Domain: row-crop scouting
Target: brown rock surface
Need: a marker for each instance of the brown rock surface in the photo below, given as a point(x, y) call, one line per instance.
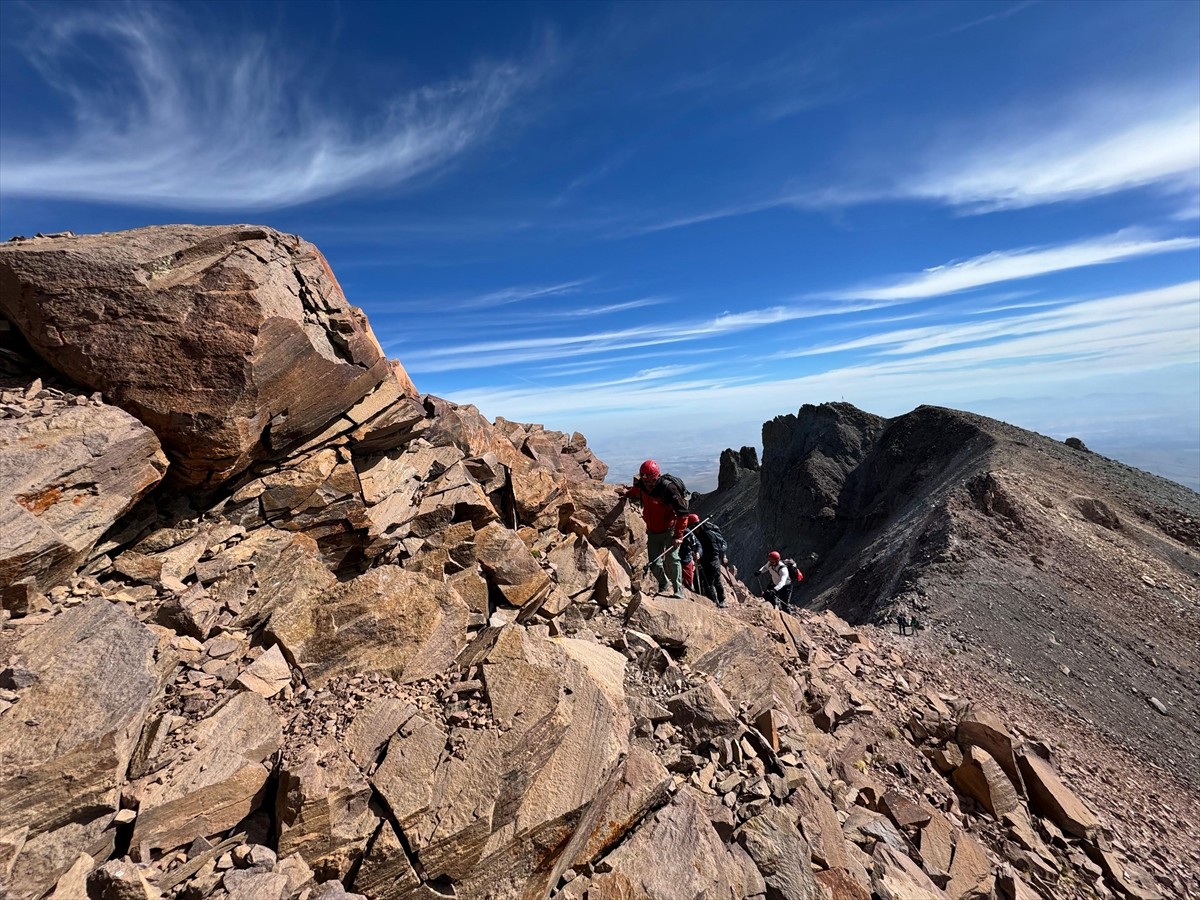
point(323, 810)
point(387, 620)
point(217, 782)
point(69, 737)
point(67, 473)
point(236, 341)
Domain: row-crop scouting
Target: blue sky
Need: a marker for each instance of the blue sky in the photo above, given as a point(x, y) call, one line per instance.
point(661, 225)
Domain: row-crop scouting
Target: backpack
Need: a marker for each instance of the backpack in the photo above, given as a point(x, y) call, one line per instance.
point(719, 544)
point(794, 570)
point(676, 482)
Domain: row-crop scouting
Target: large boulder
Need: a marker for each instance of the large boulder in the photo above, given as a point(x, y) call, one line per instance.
point(231, 342)
point(68, 739)
point(69, 468)
point(387, 620)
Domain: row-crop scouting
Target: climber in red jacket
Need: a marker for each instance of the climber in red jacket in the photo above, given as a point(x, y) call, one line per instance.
point(664, 508)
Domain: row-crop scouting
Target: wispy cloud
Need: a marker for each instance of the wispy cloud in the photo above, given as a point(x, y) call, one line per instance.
point(1045, 155)
point(1011, 265)
point(1128, 311)
point(518, 350)
point(510, 295)
point(178, 118)
point(1127, 333)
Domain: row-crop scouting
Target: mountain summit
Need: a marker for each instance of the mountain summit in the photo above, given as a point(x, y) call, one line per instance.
point(279, 627)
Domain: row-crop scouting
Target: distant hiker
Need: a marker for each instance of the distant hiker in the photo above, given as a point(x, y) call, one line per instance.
point(902, 621)
point(690, 551)
point(712, 542)
point(664, 508)
point(778, 588)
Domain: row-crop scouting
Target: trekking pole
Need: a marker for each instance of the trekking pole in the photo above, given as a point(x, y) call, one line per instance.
point(669, 549)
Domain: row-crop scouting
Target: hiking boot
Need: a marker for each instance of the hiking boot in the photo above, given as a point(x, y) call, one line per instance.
point(663, 588)
point(678, 593)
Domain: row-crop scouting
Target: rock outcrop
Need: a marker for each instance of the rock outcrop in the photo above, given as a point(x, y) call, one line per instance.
point(1023, 552)
point(405, 652)
point(230, 342)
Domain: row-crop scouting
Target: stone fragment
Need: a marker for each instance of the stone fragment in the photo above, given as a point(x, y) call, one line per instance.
point(704, 713)
point(896, 877)
point(982, 778)
point(218, 783)
point(503, 806)
point(1049, 797)
point(260, 886)
point(267, 675)
point(509, 565)
point(387, 620)
point(323, 810)
point(386, 873)
point(970, 873)
point(936, 842)
point(781, 854)
point(675, 853)
point(902, 811)
point(263, 348)
point(120, 879)
point(68, 740)
point(640, 785)
point(979, 727)
point(404, 778)
point(373, 726)
point(72, 884)
point(65, 478)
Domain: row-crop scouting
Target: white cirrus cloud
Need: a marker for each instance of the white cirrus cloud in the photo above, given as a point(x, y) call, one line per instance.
point(1097, 147)
point(1012, 265)
point(173, 117)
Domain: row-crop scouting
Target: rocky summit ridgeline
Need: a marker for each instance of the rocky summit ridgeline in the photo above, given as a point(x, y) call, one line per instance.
point(1075, 574)
point(277, 626)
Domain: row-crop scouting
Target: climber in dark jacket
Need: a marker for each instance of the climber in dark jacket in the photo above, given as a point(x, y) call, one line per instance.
point(664, 509)
point(714, 548)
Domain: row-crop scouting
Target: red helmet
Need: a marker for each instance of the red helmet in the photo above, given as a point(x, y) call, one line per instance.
point(693, 519)
point(649, 467)
point(774, 556)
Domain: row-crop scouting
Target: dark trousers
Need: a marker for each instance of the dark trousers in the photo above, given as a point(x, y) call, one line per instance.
point(710, 581)
point(779, 598)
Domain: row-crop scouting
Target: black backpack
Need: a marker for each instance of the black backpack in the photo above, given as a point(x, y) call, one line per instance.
point(677, 482)
point(713, 533)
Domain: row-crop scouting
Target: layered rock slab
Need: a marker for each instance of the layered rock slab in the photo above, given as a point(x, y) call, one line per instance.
point(235, 341)
point(217, 781)
point(68, 739)
point(387, 620)
point(495, 814)
point(66, 476)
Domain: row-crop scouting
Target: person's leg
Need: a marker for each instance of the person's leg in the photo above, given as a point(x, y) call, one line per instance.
point(673, 567)
point(713, 589)
point(689, 572)
point(656, 543)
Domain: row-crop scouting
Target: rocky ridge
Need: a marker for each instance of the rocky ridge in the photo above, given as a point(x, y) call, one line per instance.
point(379, 645)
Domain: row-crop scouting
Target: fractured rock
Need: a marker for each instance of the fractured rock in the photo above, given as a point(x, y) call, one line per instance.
point(322, 810)
point(1051, 798)
point(68, 740)
point(218, 783)
point(65, 478)
point(387, 620)
point(263, 349)
point(267, 675)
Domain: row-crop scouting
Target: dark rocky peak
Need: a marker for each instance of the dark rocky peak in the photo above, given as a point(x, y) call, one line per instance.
point(734, 463)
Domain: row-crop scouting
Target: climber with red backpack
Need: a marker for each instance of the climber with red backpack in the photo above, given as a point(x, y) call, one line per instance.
point(781, 575)
point(665, 510)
